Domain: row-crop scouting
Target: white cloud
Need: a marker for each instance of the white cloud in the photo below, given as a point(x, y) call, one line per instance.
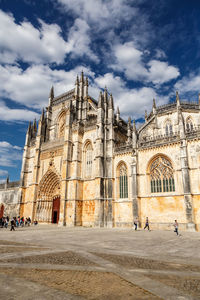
point(9, 154)
point(31, 87)
point(79, 40)
point(130, 60)
point(24, 42)
point(160, 72)
point(189, 83)
point(16, 115)
point(132, 102)
point(27, 43)
point(100, 11)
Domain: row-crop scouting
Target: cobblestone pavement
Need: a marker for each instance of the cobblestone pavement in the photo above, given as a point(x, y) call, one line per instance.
point(49, 262)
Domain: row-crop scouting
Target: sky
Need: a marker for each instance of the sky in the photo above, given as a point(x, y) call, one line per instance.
point(138, 49)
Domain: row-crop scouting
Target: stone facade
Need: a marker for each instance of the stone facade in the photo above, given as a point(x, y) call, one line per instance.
point(85, 166)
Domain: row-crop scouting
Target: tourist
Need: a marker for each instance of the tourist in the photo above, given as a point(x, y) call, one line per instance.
point(136, 223)
point(12, 225)
point(147, 224)
point(176, 227)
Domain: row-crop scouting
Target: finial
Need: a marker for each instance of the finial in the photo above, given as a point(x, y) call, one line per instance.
point(145, 115)
point(86, 81)
point(118, 112)
point(35, 125)
point(154, 103)
point(82, 77)
point(110, 103)
point(177, 98)
point(51, 94)
point(7, 179)
point(77, 80)
point(199, 98)
point(134, 127)
point(100, 102)
point(129, 120)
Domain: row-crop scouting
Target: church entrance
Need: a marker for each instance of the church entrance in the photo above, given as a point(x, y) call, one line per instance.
point(1, 211)
point(56, 210)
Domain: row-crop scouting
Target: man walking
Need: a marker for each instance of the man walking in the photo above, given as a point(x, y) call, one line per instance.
point(176, 227)
point(12, 225)
point(147, 224)
point(136, 223)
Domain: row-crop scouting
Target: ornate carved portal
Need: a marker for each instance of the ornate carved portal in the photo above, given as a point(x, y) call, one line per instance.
point(48, 202)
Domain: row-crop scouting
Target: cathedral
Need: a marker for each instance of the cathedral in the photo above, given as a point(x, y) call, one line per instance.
point(83, 165)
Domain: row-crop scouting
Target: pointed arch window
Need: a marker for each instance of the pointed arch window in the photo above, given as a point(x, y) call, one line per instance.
point(189, 125)
point(123, 181)
point(161, 176)
point(168, 128)
point(88, 160)
point(61, 125)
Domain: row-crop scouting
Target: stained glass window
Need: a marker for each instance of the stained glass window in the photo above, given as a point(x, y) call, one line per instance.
point(123, 181)
point(88, 160)
point(161, 174)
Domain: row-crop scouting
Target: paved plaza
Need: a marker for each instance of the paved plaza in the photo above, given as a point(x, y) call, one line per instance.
point(49, 262)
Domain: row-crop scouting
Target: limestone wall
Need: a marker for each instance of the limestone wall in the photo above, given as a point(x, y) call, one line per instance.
point(10, 198)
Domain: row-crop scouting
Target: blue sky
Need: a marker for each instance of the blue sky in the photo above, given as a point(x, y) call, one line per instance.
point(139, 49)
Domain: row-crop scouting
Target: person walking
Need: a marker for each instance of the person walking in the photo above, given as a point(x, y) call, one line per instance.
point(176, 227)
point(12, 225)
point(147, 224)
point(136, 223)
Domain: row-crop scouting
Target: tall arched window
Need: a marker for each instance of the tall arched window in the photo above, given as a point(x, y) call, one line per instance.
point(123, 181)
point(88, 160)
point(189, 124)
point(168, 128)
point(161, 175)
point(61, 125)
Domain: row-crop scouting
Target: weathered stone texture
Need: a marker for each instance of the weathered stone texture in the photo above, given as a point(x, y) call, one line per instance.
point(104, 171)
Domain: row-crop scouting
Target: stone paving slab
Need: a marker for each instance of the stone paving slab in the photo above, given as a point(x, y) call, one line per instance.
point(156, 264)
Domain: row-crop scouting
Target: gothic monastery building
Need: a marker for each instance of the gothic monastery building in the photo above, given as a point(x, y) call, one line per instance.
point(83, 165)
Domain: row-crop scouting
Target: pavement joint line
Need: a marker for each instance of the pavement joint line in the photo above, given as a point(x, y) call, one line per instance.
point(168, 272)
point(157, 288)
point(53, 267)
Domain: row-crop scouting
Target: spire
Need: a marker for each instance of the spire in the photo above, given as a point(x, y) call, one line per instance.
point(51, 94)
point(117, 114)
point(29, 127)
point(42, 116)
point(7, 179)
point(110, 103)
point(105, 94)
point(177, 99)
point(35, 125)
point(199, 99)
point(86, 81)
point(129, 121)
point(134, 127)
point(100, 100)
point(154, 106)
point(154, 103)
point(77, 81)
point(145, 116)
point(82, 77)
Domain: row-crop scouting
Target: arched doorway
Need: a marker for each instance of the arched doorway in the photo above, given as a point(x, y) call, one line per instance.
point(1, 211)
point(56, 210)
point(48, 198)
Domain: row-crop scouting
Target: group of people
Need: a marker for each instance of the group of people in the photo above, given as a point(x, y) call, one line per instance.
point(147, 225)
point(14, 222)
